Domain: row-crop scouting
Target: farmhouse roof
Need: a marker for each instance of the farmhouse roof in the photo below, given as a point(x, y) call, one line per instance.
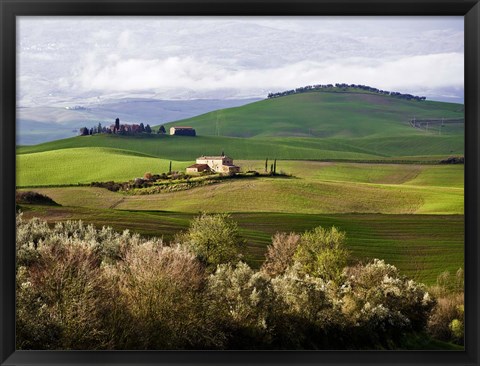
point(213, 157)
point(199, 166)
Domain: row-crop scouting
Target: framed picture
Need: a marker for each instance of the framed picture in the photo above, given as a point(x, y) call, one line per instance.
point(244, 182)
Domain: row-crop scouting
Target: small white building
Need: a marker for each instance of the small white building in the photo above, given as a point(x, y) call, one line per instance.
point(217, 164)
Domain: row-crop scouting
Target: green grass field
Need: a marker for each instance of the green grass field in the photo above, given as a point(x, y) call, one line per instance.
point(315, 187)
point(86, 165)
point(183, 148)
point(323, 114)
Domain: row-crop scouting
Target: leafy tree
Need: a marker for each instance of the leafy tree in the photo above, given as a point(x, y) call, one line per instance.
point(142, 127)
point(170, 168)
point(322, 253)
point(266, 165)
point(117, 124)
point(84, 131)
point(213, 238)
point(148, 129)
point(162, 129)
point(275, 166)
point(279, 255)
point(99, 128)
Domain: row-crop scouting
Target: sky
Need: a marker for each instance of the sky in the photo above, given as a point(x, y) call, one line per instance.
point(85, 60)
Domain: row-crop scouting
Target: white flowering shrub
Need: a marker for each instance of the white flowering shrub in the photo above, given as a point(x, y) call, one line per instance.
point(304, 296)
point(307, 312)
point(29, 234)
point(378, 300)
point(244, 299)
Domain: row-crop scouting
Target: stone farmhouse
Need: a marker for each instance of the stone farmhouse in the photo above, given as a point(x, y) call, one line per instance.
point(216, 164)
point(182, 131)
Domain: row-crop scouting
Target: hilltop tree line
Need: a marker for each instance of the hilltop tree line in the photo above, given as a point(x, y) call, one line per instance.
point(79, 287)
point(310, 88)
point(120, 129)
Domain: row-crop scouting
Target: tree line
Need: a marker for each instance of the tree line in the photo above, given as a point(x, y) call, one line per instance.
point(344, 86)
point(120, 129)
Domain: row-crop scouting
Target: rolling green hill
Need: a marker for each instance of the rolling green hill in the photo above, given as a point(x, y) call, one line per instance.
point(86, 165)
point(325, 114)
point(183, 148)
point(310, 126)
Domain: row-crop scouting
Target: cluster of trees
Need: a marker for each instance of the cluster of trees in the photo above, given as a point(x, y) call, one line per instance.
point(309, 88)
point(84, 288)
point(120, 129)
point(148, 180)
point(453, 160)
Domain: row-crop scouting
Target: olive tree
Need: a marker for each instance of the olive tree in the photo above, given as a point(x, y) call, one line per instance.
point(322, 253)
point(213, 238)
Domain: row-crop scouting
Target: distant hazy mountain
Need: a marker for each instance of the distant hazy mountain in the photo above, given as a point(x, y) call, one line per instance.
point(42, 124)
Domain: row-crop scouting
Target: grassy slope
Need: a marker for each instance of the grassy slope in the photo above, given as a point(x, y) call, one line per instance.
point(183, 148)
point(316, 188)
point(322, 114)
point(314, 126)
point(84, 165)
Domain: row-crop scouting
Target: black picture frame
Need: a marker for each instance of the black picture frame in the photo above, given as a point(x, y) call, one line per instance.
point(9, 9)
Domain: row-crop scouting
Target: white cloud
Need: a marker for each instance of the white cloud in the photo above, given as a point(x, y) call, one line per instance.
point(195, 56)
point(403, 74)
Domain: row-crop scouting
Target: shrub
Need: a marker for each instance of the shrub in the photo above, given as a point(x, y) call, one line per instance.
point(59, 298)
point(382, 303)
point(447, 284)
point(321, 253)
point(213, 238)
point(307, 314)
point(30, 197)
point(147, 176)
point(447, 319)
point(29, 235)
point(159, 303)
point(279, 255)
point(244, 299)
